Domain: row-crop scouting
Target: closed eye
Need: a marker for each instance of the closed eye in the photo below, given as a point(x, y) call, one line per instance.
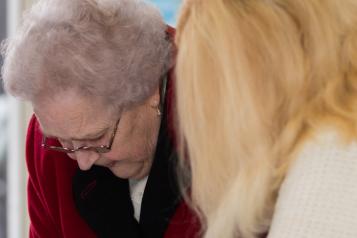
point(97, 138)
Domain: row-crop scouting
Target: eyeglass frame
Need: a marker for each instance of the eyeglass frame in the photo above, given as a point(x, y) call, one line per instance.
point(98, 149)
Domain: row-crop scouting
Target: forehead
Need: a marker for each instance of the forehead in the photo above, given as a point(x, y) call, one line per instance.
point(68, 115)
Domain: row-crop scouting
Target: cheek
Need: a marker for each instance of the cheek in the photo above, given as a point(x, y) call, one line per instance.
point(132, 153)
point(123, 149)
point(134, 144)
point(72, 156)
point(114, 155)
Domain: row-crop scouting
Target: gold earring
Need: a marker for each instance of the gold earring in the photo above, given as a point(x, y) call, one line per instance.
point(158, 111)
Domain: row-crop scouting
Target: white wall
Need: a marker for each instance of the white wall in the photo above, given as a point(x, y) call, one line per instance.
point(19, 114)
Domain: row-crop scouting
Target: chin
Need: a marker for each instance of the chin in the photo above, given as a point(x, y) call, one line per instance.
point(130, 172)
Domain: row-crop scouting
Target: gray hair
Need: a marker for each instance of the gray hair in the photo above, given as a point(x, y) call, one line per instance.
point(113, 49)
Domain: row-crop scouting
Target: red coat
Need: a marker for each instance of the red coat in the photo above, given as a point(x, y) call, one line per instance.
point(51, 207)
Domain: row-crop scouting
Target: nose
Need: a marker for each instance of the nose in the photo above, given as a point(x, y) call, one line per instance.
point(86, 159)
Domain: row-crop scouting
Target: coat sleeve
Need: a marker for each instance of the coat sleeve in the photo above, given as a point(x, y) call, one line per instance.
point(50, 201)
point(319, 195)
point(184, 223)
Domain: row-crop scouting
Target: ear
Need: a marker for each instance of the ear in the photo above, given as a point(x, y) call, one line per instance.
point(154, 100)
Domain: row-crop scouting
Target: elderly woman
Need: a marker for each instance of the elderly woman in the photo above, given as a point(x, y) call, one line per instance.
point(99, 77)
point(267, 102)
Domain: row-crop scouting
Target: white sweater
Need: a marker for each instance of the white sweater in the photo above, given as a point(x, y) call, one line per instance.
point(319, 195)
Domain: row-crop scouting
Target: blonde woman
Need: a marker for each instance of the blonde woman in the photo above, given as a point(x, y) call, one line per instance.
point(267, 103)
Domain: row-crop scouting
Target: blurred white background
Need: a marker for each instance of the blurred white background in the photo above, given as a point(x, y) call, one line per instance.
point(14, 116)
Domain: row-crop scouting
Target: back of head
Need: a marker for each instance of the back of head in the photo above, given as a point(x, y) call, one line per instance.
point(115, 50)
point(253, 77)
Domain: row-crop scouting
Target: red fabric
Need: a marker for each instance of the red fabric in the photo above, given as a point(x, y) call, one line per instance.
point(170, 91)
point(183, 224)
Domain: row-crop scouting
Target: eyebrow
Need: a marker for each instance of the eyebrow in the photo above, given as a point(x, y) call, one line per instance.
point(89, 136)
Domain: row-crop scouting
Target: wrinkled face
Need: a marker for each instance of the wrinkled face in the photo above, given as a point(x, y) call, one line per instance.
point(77, 121)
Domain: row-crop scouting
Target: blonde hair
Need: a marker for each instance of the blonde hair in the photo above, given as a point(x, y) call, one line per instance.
point(254, 78)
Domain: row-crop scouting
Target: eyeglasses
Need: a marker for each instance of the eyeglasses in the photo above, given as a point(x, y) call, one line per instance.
point(98, 149)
